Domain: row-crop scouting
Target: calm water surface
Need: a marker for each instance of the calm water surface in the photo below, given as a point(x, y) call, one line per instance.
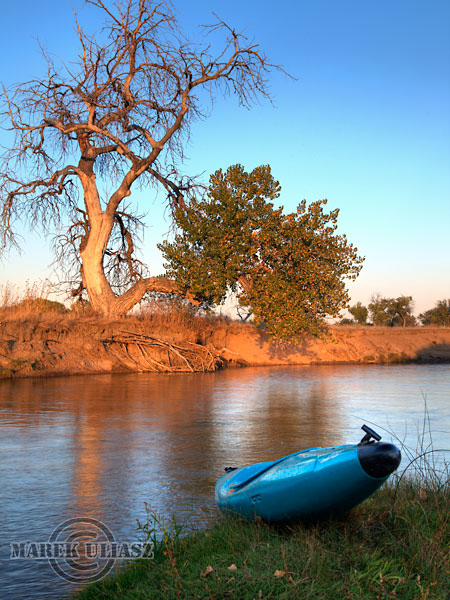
point(101, 446)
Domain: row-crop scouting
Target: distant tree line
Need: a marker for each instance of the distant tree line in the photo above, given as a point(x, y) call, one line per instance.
point(397, 312)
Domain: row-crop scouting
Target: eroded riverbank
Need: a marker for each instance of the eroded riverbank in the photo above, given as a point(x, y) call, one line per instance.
point(79, 346)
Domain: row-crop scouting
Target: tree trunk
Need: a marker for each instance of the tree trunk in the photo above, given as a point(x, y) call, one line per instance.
point(102, 298)
point(93, 248)
point(100, 294)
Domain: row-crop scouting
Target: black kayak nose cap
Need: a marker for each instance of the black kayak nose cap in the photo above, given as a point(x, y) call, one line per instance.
point(379, 459)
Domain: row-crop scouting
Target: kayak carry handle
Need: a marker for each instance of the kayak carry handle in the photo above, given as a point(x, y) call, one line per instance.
point(370, 433)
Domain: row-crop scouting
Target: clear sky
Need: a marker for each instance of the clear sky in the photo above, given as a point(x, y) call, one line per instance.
point(365, 124)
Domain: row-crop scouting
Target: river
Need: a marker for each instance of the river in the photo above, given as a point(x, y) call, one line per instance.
point(101, 446)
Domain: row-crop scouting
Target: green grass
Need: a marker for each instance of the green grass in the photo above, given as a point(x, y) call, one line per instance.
point(394, 545)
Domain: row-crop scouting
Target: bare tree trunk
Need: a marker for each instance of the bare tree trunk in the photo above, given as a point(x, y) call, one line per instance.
point(101, 296)
point(97, 286)
point(93, 249)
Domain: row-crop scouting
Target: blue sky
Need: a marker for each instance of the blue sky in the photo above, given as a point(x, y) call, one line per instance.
point(365, 124)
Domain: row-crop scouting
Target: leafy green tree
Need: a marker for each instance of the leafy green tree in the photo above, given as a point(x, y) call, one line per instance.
point(391, 312)
point(346, 321)
point(288, 268)
point(403, 307)
point(378, 309)
point(439, 315)
point(359, 313)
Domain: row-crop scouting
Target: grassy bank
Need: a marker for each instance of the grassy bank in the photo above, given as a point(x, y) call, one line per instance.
point(394, 545)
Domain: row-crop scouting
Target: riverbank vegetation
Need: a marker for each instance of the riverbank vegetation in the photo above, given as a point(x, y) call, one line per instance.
point(397, 312)
point(164, 310)
point(160, 313)
point(395, 545)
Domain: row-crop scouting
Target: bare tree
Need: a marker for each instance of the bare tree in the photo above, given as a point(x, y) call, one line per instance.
point(116, 119)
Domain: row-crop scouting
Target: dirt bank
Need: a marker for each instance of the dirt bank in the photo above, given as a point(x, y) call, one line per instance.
point(345, 345)
point(57, 347)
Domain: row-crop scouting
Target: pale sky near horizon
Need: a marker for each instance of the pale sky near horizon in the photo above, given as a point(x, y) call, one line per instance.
point(365, 124)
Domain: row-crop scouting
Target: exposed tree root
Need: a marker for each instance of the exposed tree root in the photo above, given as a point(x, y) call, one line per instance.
point(150, 353)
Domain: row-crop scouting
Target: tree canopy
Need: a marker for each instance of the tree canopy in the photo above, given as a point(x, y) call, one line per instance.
point(359, 313)
point(391, 312)
point(89, 133)
point(439, 315)
point(288, 268)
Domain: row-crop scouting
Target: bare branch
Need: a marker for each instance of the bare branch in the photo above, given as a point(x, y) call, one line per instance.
point(120, 114)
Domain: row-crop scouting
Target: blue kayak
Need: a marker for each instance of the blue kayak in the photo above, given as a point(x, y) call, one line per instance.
point(311, 483)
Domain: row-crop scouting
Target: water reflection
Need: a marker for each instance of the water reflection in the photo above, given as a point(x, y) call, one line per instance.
point(101, 446)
